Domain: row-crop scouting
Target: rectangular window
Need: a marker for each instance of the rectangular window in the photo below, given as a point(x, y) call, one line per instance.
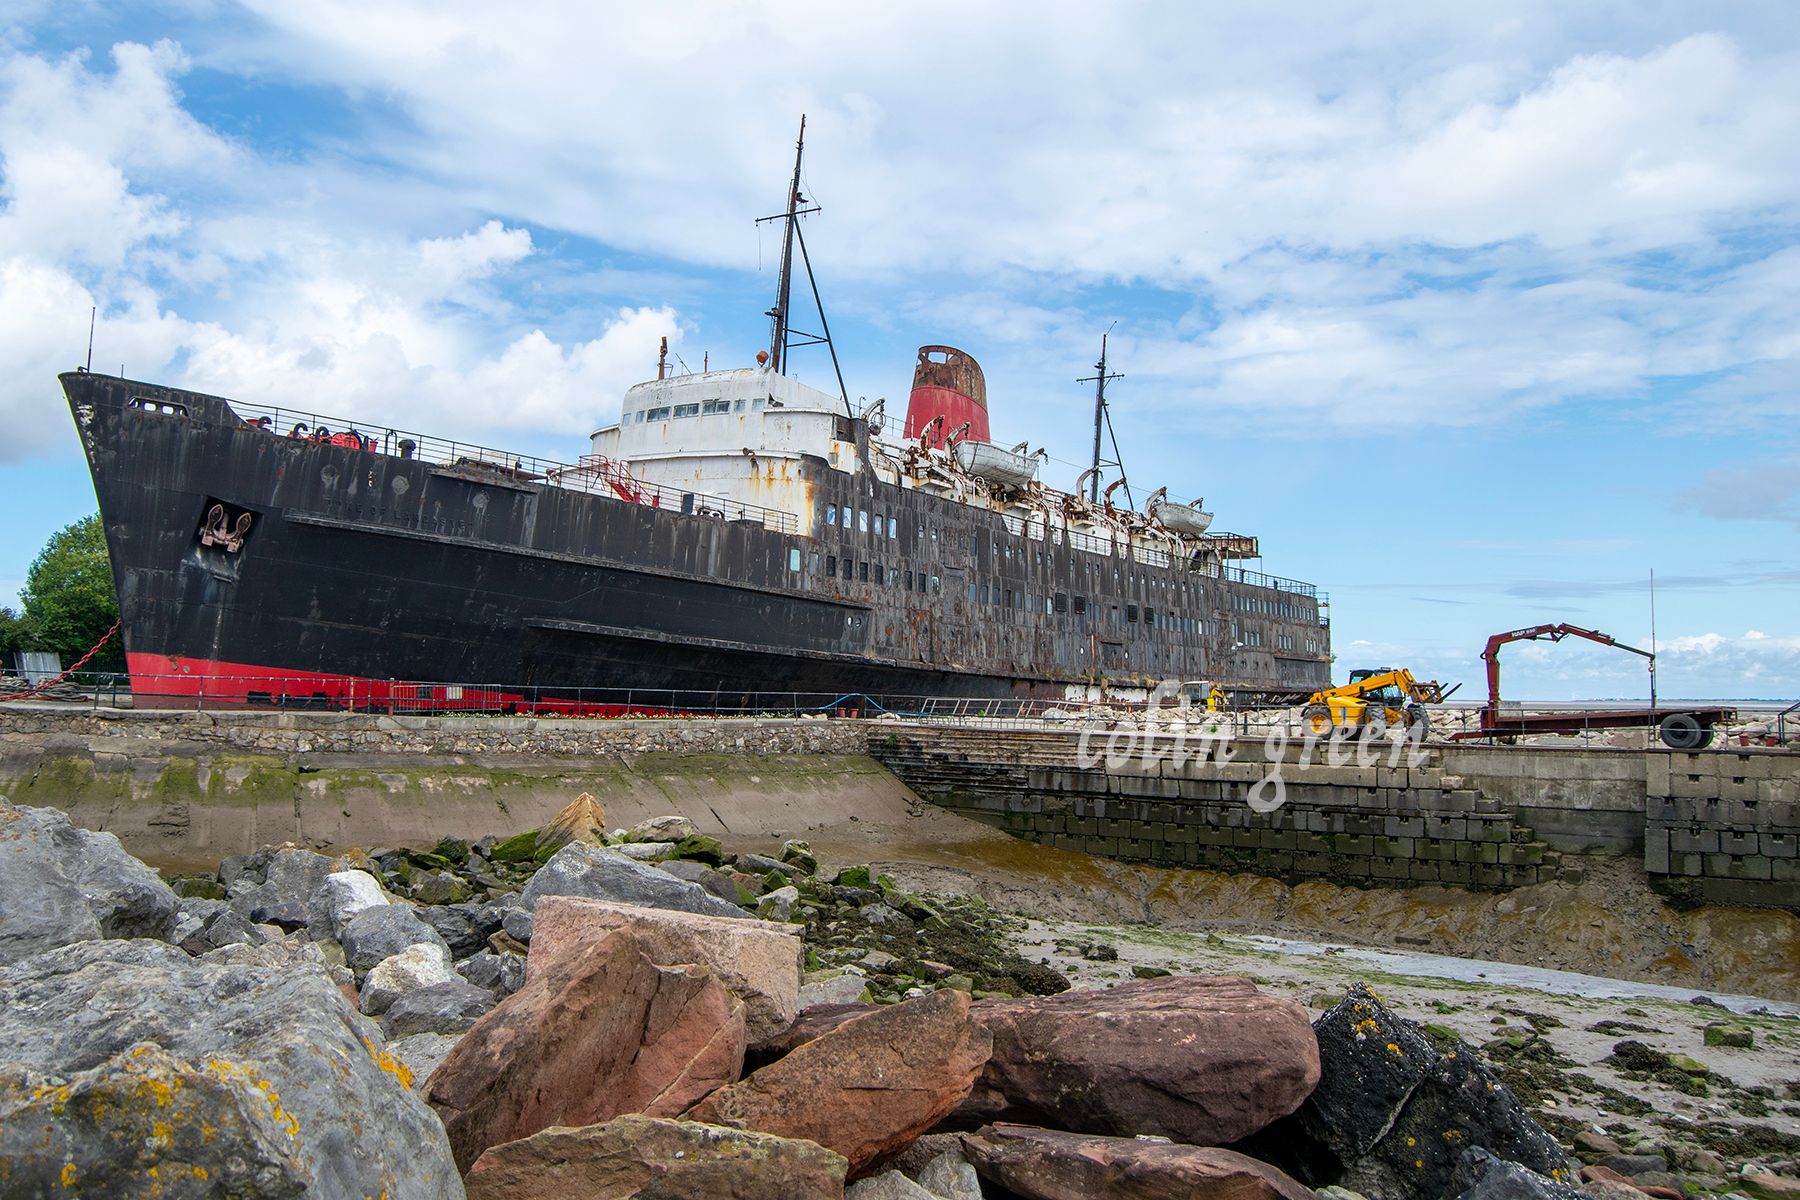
point(1009, 598)
point(937, 585)
point(793, 558)
point(1062, 602)
point(657, 414)
point(1080, 605)
point(737, 406)
point(862, 520)
point(893, 528)
point(812, 563)
point(831, 565)
point(849, 569)
point(1049, 605)
point(1131, 613)
point(1150, 617)
point(984, 593)
point(893, 576)
point(863, 571)
point(687, 410)
point(909, 586)
point(831, 514)
point(756, 404)
point(713, 407)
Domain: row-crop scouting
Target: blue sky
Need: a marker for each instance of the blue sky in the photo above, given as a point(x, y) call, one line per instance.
point(1475, 319)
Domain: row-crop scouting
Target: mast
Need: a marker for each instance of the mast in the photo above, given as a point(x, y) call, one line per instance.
point(1103, 423)
point(782, 336)
point(778, 331)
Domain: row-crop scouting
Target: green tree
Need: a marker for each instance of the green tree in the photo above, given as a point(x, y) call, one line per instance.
point(69, 597)
point(12, 634)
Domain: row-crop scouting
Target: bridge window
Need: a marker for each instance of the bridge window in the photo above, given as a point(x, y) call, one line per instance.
point(893, 528)
point(1080, 605)
point(793, 558)
point(862, 520)
point(863, 569)
point(831, 564)
point(1131, 613)
point(1062, 602)
point(711, 407)
point(657, 414)
point(687, 410)
point(812, 563)
point(937, 585)
point(737, 406)
point(831, 514)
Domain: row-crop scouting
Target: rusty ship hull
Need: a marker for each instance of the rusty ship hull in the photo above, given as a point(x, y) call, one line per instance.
point(257, 567)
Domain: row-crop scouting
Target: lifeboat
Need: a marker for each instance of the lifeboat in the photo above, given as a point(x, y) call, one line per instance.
point(984, 460)
point(1188, 520)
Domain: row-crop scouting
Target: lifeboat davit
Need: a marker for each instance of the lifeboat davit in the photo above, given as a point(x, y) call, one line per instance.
point(947, 383)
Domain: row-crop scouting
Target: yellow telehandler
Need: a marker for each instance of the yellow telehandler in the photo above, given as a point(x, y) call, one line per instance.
point(1373, 700)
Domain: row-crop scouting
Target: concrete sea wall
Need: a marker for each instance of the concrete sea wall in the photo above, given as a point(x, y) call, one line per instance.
point(1717, 826)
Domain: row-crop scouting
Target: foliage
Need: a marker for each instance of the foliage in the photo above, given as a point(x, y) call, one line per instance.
point(12, 633)
point(69, 598)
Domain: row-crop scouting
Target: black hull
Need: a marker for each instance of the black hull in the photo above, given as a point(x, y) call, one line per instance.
point(373, 567)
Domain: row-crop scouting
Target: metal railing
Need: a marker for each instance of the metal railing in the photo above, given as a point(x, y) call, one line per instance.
point(588, 475)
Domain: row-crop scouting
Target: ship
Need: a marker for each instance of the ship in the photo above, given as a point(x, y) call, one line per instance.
point(734, 538)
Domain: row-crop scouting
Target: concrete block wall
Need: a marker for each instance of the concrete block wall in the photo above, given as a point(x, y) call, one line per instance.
point(1374, 825)
point(1718, 826)
point(1724, 825)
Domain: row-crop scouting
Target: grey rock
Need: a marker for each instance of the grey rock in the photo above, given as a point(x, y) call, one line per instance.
point(1632, 1165)
point(834, 987)
point(64, 884)
point(881, 914)
point(646, 851)
point(343, 894)
point(517, 924)
point(579, 869)
point(448, 1007)
point(779, 904)
point(798, 856)
point(950, 1177)
point(1483, 1175)
point(913, 1160)
point(762, 864)
point(115, 1128)
point(287, 882)
point(378, 933)
point(439, 887)
point(500, 974)
point(714, 881)
point(424, 965)
point(889, 1185)
point(661, 829)
point(270, 1013)
point(421, 1053)
point(455, 924)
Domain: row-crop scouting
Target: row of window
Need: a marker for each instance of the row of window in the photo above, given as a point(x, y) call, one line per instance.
point(1269, 607)
point(704, 408)
point(860, 518)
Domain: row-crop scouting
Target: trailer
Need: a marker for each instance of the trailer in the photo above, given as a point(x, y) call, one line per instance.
point(1680, 728)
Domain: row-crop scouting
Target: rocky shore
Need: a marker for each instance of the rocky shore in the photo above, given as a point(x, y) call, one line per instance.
point(584, 1011)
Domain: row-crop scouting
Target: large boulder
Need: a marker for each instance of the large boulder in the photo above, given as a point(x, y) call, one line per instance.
point(641, 1156)
point(1204, 1060)
point(380, 933)
point(1392, 1116)
point(868, 1087)
point(597, 873)
point(268, 1016)
point(608, 1033)
point(143, 1120)
point(1045, 1164)
point(283, 886)
point(64, 884)
point(758, 961)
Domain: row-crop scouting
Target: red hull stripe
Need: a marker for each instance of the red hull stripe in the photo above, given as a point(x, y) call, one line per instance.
point(173, 679)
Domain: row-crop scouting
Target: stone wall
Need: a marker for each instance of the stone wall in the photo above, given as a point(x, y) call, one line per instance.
point(345, 733)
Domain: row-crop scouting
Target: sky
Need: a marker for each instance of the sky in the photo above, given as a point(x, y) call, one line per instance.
point(1476, 315)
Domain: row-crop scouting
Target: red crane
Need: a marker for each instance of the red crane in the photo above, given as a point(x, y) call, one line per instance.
point(1680, 728)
